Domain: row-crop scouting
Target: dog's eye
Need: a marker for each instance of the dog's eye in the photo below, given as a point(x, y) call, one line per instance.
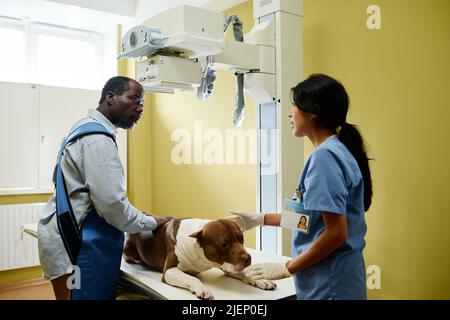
point(225, 244)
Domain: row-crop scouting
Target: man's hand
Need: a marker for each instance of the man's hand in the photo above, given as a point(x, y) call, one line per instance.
point(247, 220)
point(160, 220)
point(268, 271)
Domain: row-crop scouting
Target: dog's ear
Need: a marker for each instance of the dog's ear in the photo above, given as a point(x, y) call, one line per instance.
point(198, 235)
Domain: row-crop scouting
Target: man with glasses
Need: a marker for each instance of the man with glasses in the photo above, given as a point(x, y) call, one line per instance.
point(80, 234)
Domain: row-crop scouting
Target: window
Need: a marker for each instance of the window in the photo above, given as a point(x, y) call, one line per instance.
point(51, 55)
point(67, 58)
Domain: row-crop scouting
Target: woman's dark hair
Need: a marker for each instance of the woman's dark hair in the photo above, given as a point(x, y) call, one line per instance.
point(118, 85)
point(327, 98)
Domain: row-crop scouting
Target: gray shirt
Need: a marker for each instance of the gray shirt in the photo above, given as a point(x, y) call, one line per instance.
point(94, 177)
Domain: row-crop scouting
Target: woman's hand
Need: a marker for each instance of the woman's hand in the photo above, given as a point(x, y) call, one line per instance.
point(247, 220)
point(268, 271)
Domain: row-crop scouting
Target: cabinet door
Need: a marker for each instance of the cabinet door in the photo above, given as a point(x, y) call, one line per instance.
point(19, 140)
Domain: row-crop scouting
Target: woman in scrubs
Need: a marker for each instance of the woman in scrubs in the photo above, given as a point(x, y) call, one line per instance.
point(334, 192)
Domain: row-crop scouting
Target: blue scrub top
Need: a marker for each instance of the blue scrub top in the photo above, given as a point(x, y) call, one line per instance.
point(331, 181)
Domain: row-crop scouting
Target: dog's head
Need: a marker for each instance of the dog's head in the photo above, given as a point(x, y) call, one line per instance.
point(222, 242)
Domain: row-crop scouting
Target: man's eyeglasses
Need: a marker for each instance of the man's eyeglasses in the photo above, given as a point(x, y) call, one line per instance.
point(137, 100)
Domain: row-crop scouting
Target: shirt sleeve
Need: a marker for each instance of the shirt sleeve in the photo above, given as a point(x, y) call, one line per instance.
point(325, 185)
point(105, 180)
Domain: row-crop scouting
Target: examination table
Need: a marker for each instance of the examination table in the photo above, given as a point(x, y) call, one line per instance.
point(142, 279)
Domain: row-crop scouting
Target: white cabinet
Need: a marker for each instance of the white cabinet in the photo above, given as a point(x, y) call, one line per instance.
point(19, 142)
point(33, 121)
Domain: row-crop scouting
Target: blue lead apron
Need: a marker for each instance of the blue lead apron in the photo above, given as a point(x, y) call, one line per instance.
point(96, 248)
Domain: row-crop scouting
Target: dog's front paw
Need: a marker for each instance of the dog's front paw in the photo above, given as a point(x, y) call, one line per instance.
point(264, 284)
point(202, 293)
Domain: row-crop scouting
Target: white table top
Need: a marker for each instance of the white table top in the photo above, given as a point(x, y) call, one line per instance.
point(223, 287)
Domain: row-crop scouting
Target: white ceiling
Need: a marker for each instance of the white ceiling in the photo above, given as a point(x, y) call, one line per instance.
point(147, 8)
point(62, 15)
point(98, 15)
point(121, 7)
point(141, 8)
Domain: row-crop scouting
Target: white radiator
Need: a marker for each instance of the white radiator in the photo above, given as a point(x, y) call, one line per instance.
point(18, 251)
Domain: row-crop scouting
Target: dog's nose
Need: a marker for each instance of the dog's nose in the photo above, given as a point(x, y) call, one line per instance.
point(248, 260)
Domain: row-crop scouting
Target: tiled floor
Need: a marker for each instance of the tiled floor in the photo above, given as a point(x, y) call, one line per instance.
point(42, 290)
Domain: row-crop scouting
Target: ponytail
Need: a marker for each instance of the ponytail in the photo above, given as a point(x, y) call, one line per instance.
point(350, 136)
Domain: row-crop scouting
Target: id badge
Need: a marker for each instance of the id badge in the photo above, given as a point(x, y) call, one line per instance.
point(294, 216)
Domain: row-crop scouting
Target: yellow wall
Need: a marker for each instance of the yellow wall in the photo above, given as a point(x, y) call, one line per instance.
point(398, 81)
point(10, 276)
point(205, 191)
point(396, 78)
point(139, 161)
point(25, 198)
point(139, 145)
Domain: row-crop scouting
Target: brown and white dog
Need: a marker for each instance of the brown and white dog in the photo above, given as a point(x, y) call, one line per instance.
point(182, 248)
